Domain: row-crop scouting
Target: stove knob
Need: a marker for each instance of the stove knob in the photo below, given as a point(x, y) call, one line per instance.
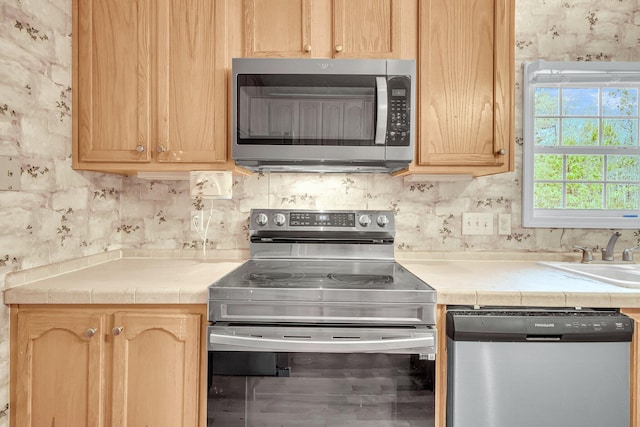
point(262, 219)
point(280, 219)
point(364, 220)
point(382, 220)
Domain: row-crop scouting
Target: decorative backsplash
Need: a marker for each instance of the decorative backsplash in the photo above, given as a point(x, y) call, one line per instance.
point(61, 214)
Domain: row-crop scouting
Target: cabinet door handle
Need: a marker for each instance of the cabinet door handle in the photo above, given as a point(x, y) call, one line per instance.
point(338, 48)
point(117, 330)
point(501, 152)
point(161, 149)
point(307, 48)
point(90, 332)
point(140, 149)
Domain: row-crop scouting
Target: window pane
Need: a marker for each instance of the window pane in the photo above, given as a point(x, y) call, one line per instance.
point(620, 132)
point(583, 132)
point(584, 196)
point(546, 132)
point(622, 196)
point(580, 102)
point(623, 168)
point(547, 196)
point(585, 168)
point(546, 101)
point(547, 167)
point(619, 102)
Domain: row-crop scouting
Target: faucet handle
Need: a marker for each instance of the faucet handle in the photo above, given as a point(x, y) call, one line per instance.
point(627, 254)
point(587, 255)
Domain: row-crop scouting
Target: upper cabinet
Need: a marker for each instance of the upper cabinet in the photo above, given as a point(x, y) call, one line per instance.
point(291, 18)
point(466, 87)
point(322, 28)
point(151, 90)
point(149, 85)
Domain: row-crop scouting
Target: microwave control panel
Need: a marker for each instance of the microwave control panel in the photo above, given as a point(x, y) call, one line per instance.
point(399, 119)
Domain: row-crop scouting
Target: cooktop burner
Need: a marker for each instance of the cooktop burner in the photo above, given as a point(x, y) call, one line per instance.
point(267, 279)
point(323, 280)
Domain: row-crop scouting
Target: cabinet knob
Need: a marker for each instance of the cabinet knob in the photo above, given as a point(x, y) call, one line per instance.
point(307, 48)
point(140, 149)
point(338, 48)
point(161, 149)
point(90, 332)
point(501, 152)
point(117, 330)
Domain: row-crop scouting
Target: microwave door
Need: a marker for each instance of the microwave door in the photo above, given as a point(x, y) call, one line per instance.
point(382, 110)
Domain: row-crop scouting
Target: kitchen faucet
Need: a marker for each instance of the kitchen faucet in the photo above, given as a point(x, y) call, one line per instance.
point(607, 253)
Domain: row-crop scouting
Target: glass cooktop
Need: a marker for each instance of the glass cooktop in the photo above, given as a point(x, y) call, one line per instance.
point(321, 279)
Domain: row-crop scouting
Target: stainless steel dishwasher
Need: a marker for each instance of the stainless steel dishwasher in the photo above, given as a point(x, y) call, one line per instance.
point(538, 367)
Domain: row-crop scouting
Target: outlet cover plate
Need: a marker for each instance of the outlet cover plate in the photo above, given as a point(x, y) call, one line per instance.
point(504, 224)
point(9, 174)
point(197, 221)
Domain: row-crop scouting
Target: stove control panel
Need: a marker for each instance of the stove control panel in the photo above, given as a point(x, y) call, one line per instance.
point(277, 219)
point(322, 219)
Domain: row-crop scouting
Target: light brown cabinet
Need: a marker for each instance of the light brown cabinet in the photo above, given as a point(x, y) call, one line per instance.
point(93, 366)
point(149, 85)
point(151, 89)
point(634, 313)
point(466, 87)
point(322, 28)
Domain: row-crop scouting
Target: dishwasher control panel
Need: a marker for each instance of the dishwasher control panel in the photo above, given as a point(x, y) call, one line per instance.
point(567, 325)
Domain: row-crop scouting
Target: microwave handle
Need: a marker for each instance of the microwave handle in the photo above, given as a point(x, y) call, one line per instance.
point(382, 110)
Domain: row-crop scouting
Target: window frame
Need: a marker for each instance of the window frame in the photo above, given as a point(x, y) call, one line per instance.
point(565, 75)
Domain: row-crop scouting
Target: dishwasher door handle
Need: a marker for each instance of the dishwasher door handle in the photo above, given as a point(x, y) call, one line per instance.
point(544, 338)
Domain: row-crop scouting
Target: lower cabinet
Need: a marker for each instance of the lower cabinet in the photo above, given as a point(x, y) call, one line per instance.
point(107, 366)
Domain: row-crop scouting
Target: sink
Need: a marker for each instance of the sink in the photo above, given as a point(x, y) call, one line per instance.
point(625, 275)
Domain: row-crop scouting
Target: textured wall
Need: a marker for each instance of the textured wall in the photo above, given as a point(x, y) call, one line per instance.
point(61, 214)
point(58, 213)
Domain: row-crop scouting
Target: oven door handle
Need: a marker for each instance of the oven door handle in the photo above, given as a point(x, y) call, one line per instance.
point(421, 344)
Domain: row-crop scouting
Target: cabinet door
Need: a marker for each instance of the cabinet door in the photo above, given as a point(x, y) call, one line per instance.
point(191, 92)
point(278, 28)
point(60, 369)
point(466, 83)
point(155, 369)
point(366, 28)
point(112, 64)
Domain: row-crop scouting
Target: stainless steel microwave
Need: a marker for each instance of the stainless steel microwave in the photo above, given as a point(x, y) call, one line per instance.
point(323, 115)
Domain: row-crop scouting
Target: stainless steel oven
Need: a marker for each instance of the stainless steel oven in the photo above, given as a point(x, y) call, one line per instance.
point(321, 327)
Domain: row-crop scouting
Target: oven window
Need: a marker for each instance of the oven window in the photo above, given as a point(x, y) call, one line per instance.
point(319, 389)
point(306, 109)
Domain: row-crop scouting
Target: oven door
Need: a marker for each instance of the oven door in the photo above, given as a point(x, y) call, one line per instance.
point(271, 375)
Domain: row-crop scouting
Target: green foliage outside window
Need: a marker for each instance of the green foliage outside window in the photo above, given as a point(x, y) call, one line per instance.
point(589, 120)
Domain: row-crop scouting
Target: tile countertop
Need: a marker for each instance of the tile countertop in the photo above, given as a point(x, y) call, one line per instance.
point(518, 283)
point(126, 281)
point(185, 281)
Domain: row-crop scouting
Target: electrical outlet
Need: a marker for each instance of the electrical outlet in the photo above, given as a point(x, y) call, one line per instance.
point(197, 221)
point(477, 224)
point(504, 224)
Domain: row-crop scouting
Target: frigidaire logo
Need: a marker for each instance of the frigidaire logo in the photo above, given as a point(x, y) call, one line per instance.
point(544, 325)
point(324, 65)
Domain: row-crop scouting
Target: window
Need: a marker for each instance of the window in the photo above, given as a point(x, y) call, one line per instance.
point(581, 163)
